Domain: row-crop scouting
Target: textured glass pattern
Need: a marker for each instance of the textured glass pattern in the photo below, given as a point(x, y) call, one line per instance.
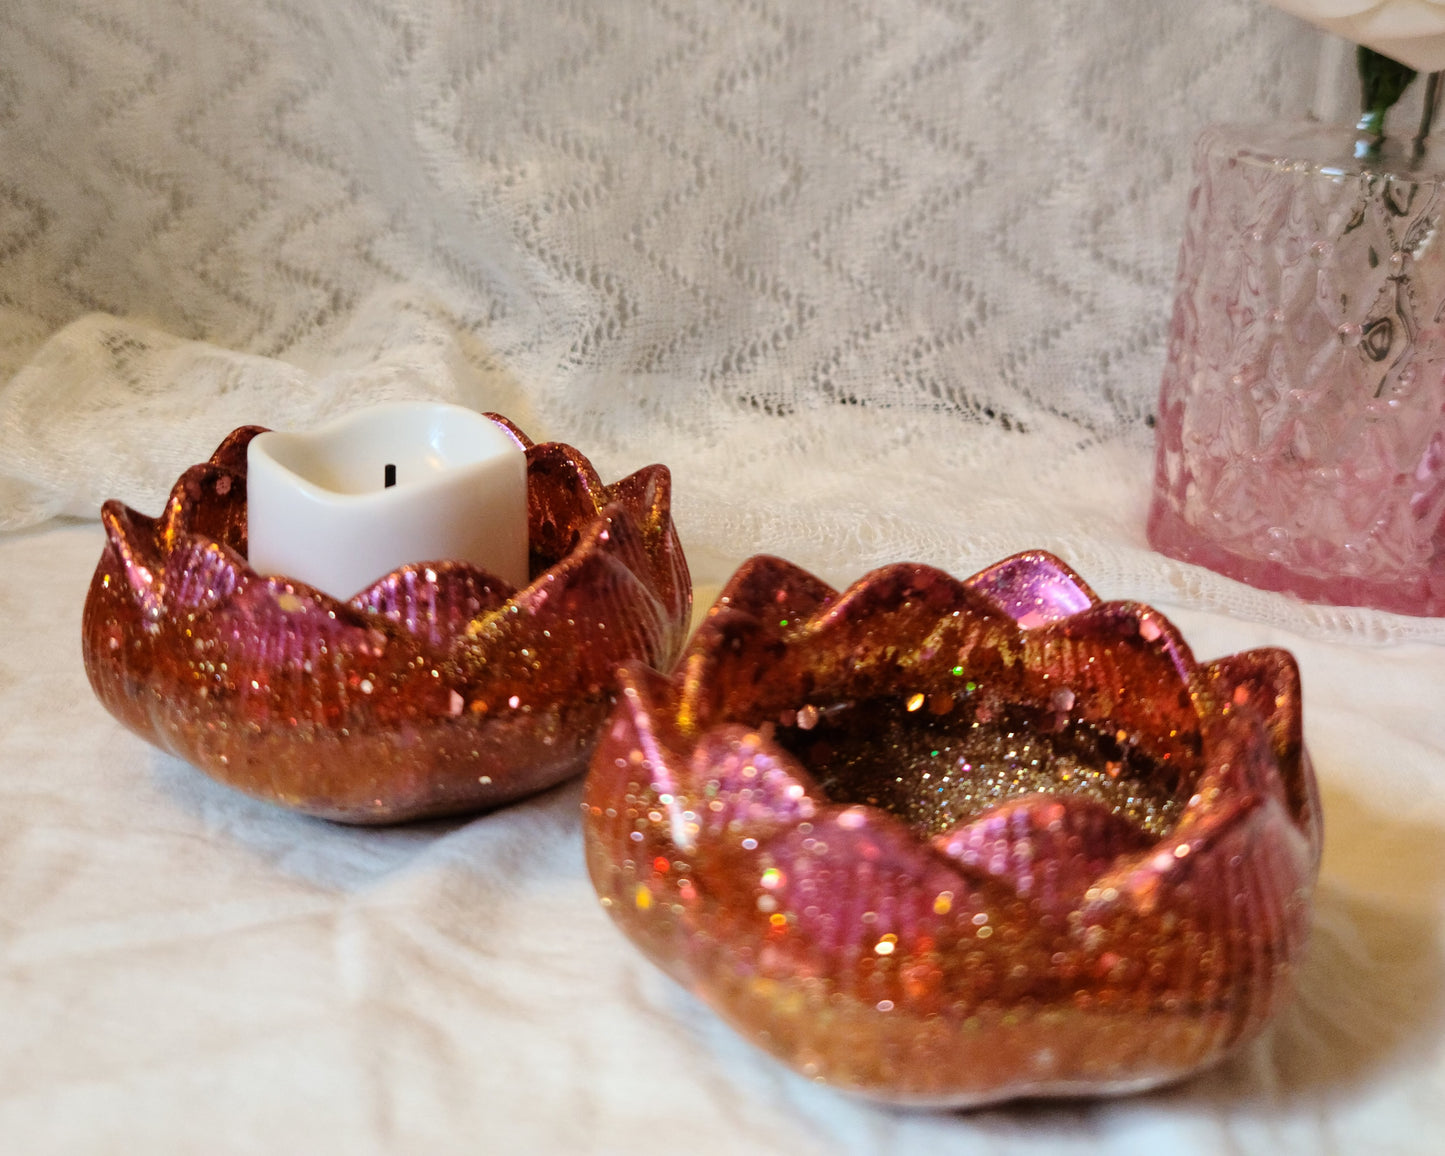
point(1301, 441)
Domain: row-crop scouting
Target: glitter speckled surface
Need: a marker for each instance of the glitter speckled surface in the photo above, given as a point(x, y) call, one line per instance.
point(437, 689)
point(943, 761)
point(951, 842)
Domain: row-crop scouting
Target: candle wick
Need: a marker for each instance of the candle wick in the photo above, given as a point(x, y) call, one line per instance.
point(390, 475)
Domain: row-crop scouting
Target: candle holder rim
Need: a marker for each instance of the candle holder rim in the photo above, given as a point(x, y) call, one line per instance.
point(1326, 150)
point(884, 589)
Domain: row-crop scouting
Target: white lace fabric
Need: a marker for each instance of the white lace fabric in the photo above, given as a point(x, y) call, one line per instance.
point(878, 281)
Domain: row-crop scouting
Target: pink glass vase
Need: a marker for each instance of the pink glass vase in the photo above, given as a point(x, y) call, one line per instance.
point(1301, 437)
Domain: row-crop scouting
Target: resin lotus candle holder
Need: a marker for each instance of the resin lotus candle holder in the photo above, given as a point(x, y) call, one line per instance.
point(943, 842)
point(436, 690)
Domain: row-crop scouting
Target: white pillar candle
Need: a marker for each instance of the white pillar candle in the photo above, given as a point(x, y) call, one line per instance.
point(320, 510)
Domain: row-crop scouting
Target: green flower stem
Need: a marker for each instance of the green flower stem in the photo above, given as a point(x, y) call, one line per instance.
point(1428, 113)
point(1382, 82)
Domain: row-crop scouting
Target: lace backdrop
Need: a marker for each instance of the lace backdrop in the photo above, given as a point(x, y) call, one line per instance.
point(878, 281)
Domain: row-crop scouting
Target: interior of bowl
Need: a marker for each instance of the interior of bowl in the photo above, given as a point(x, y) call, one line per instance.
point(938, 700)
point(941, 758)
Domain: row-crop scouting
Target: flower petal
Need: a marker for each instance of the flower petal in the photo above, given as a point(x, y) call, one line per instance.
point(858, 889)
point(131, 539)
point(1267, 681)
point(1049, 847)
point(1034, 588)
point(1401, 20)
point(433, 601)
point(564, 494)
point(1327, 9)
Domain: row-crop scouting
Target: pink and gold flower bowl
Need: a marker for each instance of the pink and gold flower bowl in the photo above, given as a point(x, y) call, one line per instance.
point(943, 842)
point(438, 689)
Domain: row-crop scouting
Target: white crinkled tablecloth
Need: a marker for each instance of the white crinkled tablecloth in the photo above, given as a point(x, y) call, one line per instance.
point(879, 281)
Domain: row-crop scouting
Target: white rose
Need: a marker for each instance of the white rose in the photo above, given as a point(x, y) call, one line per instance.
point(1410, 31)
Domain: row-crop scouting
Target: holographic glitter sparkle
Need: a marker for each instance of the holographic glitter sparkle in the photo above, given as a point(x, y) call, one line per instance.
point(439, 689)
point(935, 772)
point(945, 842)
